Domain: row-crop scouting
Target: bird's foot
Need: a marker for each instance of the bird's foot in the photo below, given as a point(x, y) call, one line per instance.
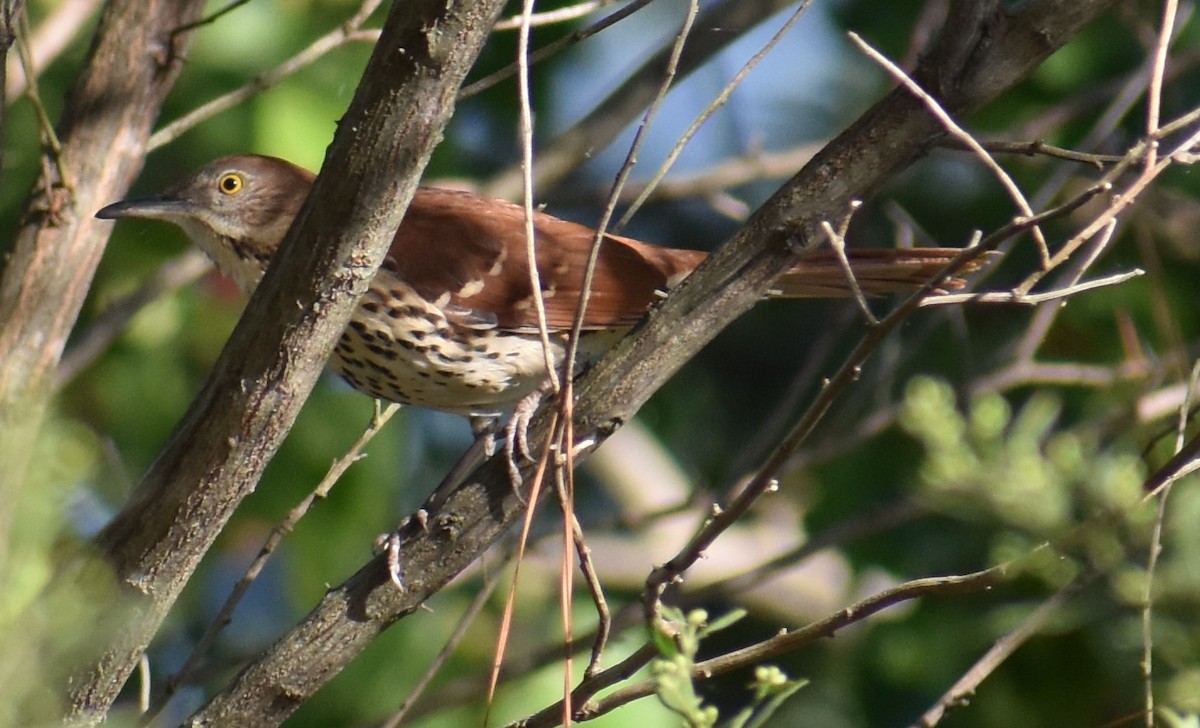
point(389, 544)
point(516, 437)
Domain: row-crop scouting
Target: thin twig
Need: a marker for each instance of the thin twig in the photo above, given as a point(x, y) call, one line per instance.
point(348, 32)
point(460, 631)
point(550, 17)
point(721, 99)
point(53, 35)
point(1038, 148)
point(713, 181)
point(212, 18)
point(101, 332)
point(525, 104)
point(550, 49)
point(1119, 100)
point(1155, 549)
point(999, 652)
point(281, 530)
point(45, 126)
point(566, 579)
point(1031, 299)
point(1154, 92)
point(592, 579)
point(505, 628)
point(837, 241)
point(1014, 192)
point(1119, 203)
point(619, 184)
point(1043, 320)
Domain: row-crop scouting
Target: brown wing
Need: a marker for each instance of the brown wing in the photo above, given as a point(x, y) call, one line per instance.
point(469, 252)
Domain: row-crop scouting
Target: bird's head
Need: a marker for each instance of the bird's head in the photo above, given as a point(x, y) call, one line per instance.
point(236, 209)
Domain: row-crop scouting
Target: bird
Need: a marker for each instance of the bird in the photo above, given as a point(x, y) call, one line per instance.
point(449, 321)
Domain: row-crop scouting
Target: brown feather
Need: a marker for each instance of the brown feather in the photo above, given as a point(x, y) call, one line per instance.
point(481, 261)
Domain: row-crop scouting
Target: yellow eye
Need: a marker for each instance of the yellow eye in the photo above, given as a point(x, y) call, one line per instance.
point(230, 183)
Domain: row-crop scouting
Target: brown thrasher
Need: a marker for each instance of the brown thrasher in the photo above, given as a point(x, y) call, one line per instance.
point(449, 320)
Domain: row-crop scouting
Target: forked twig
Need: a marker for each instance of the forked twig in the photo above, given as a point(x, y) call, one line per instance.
point(1119, 203)
point(1032, 299)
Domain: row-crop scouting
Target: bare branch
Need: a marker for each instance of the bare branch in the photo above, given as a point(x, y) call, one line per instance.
point(281, 530)
point(961, 134)
point(626, 103)
point(783, 643)
point(348, 33)
point(1000, 651)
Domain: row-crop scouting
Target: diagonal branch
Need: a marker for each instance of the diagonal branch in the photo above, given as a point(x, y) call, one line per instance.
point(218, 452)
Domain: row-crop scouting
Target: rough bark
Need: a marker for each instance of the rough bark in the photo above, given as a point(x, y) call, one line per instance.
point(218, 452)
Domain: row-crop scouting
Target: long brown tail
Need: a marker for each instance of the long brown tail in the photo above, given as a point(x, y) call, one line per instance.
point(877, 270)
point(820, 274)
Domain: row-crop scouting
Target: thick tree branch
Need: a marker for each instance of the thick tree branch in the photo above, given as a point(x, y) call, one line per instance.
point(218, 452)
